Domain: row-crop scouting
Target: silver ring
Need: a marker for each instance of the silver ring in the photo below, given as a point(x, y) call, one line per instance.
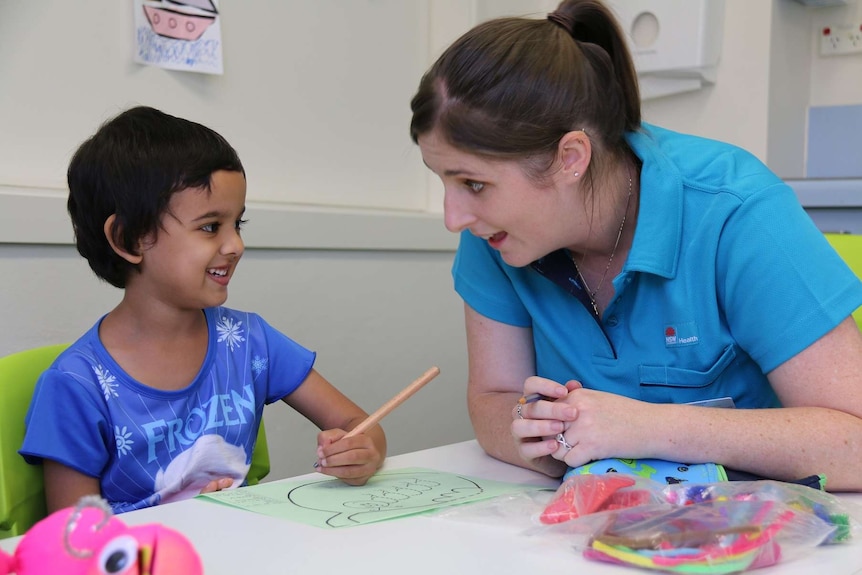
point(561, 439)
point(520, 415)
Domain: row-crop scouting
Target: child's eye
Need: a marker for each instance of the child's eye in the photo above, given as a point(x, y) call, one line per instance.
point(210, 228)
point(240, 224)
point(474, 186)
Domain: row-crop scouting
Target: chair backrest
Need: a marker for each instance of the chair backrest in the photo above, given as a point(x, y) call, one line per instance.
point(849, 247)
point(259, 458)
point(22, 491)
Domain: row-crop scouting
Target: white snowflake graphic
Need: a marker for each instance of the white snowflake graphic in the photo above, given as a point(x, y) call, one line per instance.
point(230, 332)
point(124, 441)
point(107, 382)
point(259, 365)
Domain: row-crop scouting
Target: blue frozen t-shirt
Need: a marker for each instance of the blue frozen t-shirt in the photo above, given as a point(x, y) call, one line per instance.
point(149, 446)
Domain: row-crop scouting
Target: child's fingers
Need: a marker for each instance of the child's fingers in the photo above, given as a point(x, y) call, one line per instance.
point(210, 487)
point(352, 474)
point(217, 485)
point(358, 455)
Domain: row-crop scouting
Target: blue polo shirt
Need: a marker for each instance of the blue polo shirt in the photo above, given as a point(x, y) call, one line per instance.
point(727, 278)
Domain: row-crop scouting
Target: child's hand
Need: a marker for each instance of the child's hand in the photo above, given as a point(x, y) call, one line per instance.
point(352, 459)
point(217, 485)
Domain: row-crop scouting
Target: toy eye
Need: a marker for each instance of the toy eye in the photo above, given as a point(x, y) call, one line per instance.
point(119, 555)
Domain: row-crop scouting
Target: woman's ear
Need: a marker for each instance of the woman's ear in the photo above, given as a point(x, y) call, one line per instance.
point(575, 153)
point(112, 232)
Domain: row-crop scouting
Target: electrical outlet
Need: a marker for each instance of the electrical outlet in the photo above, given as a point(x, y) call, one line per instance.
point(841, 39)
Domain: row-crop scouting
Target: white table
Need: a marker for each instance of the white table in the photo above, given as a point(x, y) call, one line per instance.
point(231, 541)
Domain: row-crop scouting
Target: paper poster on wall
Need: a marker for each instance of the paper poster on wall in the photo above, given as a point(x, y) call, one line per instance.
point(179, 35)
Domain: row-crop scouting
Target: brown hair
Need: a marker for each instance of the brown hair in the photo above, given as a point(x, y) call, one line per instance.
point(512, 87)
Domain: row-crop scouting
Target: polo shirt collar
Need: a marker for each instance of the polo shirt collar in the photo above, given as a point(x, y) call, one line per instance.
point(658, 235)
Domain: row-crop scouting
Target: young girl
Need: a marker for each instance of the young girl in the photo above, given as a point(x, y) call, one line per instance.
point(162, 398)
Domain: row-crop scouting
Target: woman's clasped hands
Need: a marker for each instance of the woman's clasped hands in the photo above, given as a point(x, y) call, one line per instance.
point(577, 425)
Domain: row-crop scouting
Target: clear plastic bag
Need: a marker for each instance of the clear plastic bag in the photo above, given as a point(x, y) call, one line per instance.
point(514, 510)
point(844, 516)
point(712, 537)
point(717, 528)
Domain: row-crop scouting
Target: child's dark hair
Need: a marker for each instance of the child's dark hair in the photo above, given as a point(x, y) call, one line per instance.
point(512, 87)
point(131, 167)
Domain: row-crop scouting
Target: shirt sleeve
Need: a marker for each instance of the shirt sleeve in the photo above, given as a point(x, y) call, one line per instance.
point(783, 286)
point(289, 362)
point(66, 423)
point(485, 282)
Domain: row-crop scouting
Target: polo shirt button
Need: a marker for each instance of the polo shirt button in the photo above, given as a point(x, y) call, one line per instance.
point(613, 321)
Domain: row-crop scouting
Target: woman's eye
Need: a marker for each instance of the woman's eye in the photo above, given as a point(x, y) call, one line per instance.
point(475, 187)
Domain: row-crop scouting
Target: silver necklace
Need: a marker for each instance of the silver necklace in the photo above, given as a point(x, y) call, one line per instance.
point(593, 293)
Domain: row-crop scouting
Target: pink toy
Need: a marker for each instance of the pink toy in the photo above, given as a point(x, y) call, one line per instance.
point(88, 540)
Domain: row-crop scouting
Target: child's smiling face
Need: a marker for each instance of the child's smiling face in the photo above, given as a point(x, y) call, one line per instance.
point(195, 252)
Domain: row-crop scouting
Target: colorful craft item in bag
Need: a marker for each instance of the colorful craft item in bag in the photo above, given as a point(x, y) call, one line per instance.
point(797, 497)
point(89, 540)
point(712, 538)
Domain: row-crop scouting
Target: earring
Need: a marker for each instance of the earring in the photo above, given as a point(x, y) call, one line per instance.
point(576, 174)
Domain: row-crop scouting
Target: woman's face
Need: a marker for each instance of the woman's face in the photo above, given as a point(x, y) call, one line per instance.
point(497, 201)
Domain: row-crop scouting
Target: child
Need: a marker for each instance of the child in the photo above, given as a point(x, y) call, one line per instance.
point(162, 398)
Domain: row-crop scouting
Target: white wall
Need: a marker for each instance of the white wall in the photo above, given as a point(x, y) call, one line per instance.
point(314, 94)
point(835, 80)
point(735, 108)
point(770, 73)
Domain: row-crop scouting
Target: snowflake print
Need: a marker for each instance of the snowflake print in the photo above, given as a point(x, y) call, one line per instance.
point(230, 332)
point(259, 365)
point(107, 382)
point(124, 440)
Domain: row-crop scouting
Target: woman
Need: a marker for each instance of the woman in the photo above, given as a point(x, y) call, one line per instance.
point(645, 270)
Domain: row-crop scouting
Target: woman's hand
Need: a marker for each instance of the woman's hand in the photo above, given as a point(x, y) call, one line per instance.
point(352, 459)
point(536, 425)
point(604, 425)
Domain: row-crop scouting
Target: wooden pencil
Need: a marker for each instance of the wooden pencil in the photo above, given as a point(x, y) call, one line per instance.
point(399, 398)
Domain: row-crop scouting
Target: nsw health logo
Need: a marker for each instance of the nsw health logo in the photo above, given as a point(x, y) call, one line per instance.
point(680, 334)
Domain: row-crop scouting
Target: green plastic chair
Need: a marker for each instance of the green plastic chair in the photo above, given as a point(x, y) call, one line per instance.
point(22, 491)
point(849, 247)
point(259, 458)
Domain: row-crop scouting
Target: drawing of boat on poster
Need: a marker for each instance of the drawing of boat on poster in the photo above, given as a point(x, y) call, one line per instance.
point(183, 35)
point(181, 20)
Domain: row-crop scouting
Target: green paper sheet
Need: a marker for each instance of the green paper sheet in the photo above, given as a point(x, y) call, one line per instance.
point(330, 503)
